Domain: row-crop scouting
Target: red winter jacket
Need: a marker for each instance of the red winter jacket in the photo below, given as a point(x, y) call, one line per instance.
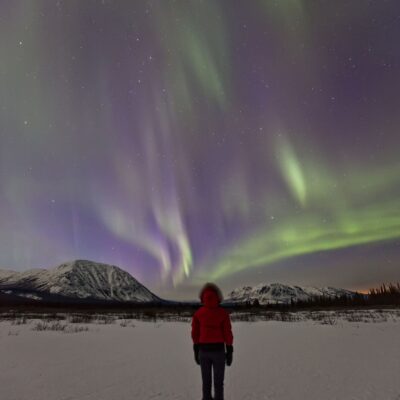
point(211, 323)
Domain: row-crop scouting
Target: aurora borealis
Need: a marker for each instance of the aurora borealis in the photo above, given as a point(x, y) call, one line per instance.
point(227, 140)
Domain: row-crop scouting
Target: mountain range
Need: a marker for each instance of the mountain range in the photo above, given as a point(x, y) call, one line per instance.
point(277, 293)
point(84, 281)
point(77, 280)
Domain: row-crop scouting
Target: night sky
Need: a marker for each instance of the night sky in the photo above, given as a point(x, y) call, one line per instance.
point(187, 141)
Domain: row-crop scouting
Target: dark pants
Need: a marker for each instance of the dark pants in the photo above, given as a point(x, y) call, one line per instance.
point(212, 359)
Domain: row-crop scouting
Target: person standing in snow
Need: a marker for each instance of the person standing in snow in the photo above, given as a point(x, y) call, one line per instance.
point(212, 340)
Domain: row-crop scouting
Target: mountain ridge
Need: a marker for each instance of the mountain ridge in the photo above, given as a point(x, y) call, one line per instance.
point(79, 279)
point(278, 293)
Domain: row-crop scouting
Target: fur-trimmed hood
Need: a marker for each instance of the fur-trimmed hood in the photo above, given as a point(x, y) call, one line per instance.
point(214, 287)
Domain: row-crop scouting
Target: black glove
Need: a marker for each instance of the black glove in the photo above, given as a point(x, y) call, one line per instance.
point(228, 355)
point(196, 349)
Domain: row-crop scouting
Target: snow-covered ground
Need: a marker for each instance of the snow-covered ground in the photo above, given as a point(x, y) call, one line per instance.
point(154, 360)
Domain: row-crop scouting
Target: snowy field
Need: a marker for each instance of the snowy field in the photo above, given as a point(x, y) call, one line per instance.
point(134, 359)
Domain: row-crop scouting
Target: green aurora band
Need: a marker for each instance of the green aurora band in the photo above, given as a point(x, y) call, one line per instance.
point(332, 213)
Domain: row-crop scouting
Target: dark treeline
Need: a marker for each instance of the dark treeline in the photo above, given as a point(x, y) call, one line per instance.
point(384, 295)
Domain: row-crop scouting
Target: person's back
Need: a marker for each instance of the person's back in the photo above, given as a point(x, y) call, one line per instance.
point(211, 333)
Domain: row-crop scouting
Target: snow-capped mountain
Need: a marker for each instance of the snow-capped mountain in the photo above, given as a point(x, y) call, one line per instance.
point(79, 279)
point(279, 293)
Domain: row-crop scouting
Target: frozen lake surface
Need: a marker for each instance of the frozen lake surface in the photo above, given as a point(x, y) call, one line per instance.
point(154, 360)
